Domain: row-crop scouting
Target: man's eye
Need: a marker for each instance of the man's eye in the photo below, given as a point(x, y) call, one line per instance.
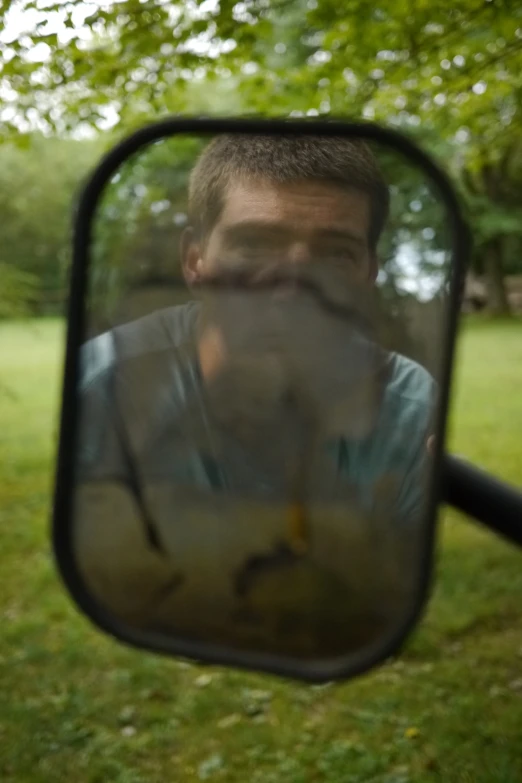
point(339, 255)
point(255, 250)
point(261, 246)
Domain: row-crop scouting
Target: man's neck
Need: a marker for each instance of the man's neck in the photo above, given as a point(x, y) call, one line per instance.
point(211, 352)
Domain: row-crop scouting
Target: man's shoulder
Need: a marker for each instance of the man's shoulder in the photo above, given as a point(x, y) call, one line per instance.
point(409, 384)
point(140, 359)
point(163, 329)
point(407, 408)
point(404, 421)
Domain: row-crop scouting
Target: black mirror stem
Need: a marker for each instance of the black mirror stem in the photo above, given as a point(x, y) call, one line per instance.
point(488, 500)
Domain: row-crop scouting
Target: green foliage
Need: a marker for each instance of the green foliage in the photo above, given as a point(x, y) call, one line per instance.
point(38, 186)
point(139, 222)
point(18, 292)
point(494, 220)
point(449, 74)
point(394, 61)
point(410, 65)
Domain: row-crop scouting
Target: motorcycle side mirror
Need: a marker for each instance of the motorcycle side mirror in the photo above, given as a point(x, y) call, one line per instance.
point(261, 330)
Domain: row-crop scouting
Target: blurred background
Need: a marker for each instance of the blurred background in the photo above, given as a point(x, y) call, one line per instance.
point(75, 77)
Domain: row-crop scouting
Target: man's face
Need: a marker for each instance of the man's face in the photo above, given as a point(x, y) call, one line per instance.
point(287, 225)
point(282, 343)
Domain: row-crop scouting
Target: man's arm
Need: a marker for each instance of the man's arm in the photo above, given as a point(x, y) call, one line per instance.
point(120, 561)
point(99, 453)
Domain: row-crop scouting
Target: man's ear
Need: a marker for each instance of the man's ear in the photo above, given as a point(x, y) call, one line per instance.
point(373, 268)
point(191, 261)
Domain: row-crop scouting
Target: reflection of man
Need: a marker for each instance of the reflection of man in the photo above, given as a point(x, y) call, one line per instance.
point(296, 203)
point(255, 202)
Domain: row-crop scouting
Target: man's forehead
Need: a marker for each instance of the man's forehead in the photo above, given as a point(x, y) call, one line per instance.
point(322, 202)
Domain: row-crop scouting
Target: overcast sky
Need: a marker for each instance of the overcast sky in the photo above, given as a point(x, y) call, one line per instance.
point(21, 21)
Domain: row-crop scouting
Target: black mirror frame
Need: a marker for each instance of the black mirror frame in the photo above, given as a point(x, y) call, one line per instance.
point(338, 669)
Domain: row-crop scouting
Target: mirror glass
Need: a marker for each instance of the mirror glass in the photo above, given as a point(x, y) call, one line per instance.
point(265, 335)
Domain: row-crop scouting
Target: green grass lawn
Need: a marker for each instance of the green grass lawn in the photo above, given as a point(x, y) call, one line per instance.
point(76, 706)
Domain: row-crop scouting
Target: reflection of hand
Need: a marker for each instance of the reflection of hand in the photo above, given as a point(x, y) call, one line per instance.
point(125, 574)
point(297, 350)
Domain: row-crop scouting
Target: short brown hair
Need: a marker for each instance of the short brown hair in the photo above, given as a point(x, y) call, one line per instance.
point(282, 159)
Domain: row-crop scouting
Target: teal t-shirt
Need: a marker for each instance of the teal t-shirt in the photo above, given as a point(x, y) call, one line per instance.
point(387, 466)
point(396, 453)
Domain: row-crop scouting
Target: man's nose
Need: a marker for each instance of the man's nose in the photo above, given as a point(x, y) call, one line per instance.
point(297, 255)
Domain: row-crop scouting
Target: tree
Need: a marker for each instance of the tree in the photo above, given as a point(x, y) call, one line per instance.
point(38, 185)
point(138, 225)
point(17, 293)
point(449, 74)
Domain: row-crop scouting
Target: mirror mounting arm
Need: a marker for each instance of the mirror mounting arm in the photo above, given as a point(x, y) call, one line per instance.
point(488, 500)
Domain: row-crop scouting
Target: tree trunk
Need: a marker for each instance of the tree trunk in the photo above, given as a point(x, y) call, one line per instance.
point(498, 303)
point(493, 253)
